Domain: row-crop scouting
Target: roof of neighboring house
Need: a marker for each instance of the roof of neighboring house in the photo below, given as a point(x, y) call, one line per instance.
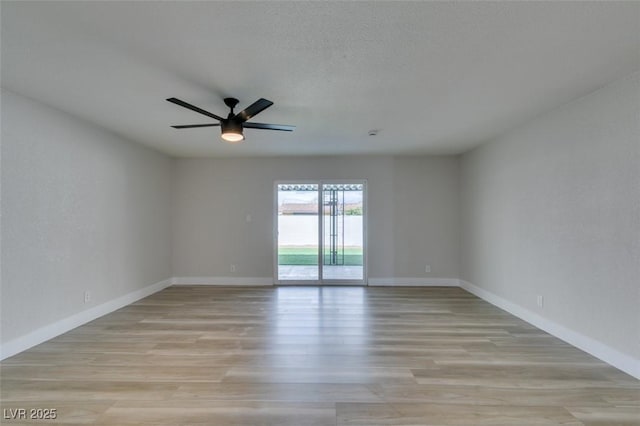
point(311, 208)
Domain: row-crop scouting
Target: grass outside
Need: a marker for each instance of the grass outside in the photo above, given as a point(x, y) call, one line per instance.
point(309, 256)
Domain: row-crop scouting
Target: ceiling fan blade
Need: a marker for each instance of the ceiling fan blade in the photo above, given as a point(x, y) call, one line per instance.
point(283, 127)
point(253, 109)
point(194, 108)
point(190, 126)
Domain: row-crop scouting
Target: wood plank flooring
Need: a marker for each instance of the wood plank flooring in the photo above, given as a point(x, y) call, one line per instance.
point(299, 356)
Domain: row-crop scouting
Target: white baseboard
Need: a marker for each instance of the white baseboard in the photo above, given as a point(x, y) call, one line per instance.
point(50, 331)
point(268, 281)
point(413, 282)
point(223, 281)
point(598, 349)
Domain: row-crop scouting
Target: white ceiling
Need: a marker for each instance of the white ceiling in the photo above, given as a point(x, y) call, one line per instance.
point(433, 77)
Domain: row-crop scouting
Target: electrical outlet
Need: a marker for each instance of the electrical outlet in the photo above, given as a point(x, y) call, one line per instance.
point(87, 297)
point(540, 301)
point(427, 268)
point(232, 267)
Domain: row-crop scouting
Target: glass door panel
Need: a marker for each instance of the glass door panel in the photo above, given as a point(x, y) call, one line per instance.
point(298, 248)
point(343, 232)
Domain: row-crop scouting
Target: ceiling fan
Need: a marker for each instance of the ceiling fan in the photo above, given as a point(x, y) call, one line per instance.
point(234, 123)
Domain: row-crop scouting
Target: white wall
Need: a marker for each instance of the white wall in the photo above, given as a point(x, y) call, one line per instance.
point(553, 209)
point(412, 205)
point(81, 210)
point(426, 225)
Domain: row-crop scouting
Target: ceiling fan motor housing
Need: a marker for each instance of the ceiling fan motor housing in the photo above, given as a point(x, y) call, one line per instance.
point(231, 126)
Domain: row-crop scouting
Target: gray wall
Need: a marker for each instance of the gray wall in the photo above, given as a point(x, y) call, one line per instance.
point(412, 204)
point(81, 210)
point(553, 209)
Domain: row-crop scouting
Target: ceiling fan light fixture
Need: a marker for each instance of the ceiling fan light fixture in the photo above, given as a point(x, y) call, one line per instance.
point(233, 125)
point(232, 132)
point(233, 137)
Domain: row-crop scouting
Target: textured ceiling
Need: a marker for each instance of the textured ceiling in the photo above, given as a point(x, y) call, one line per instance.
point(433, 77)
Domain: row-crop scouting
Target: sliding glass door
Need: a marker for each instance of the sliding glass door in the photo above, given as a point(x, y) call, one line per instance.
point(298, 239)
point(320, 232)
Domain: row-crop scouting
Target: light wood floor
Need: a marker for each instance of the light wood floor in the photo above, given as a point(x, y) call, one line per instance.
point(316, 356)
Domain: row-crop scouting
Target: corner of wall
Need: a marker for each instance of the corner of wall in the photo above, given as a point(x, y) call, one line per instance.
point(64, 325)
point(624, 362)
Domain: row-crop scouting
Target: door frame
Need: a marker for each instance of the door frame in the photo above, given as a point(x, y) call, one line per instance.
point(321, 280)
